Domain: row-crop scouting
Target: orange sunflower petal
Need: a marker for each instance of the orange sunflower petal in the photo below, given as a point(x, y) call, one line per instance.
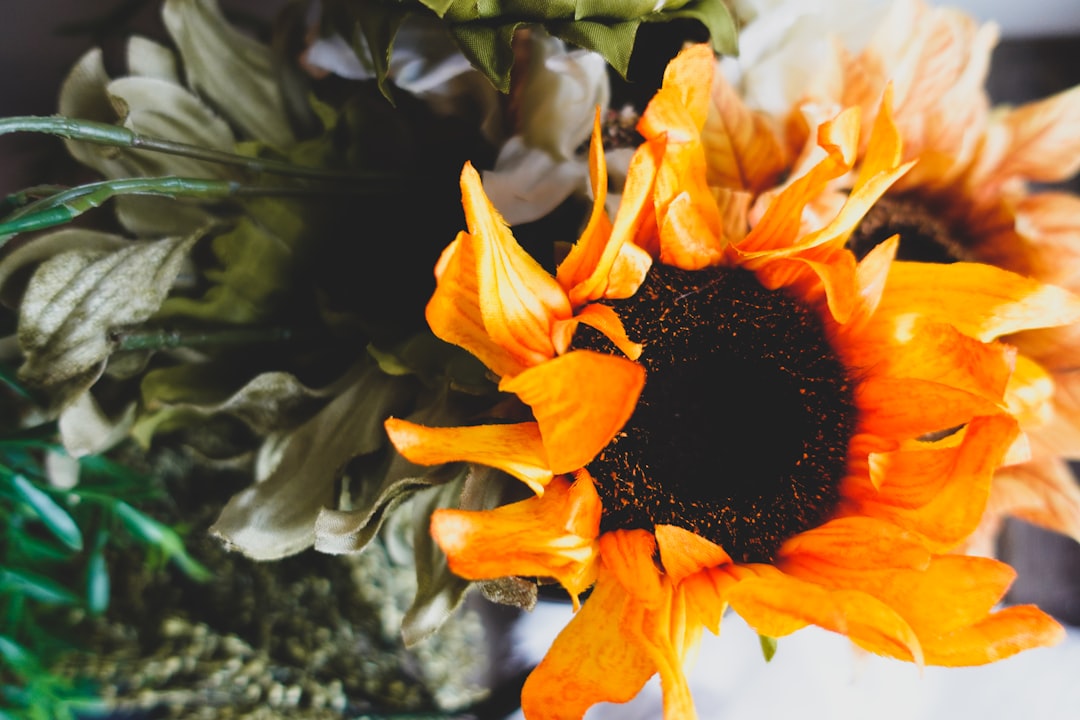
point(979, 300)
point(517, 449)
point(454, 309)
point(607, 321)
point(594, 659)
point(1043, 491)
point(939, 492)
point(585, 254)
point(742, 148)
point(779, 605)
point(779, 228)
point(906, 408)
point(997, 637)
point(618, 267)
point(684, 553)
point(1043, 139)
point(519, 300)
point(580, 400)
point(549, 536)
point(655, 613)
point(935, 351)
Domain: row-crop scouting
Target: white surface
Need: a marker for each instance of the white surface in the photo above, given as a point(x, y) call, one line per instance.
point(817, 675)
point(1025, 18)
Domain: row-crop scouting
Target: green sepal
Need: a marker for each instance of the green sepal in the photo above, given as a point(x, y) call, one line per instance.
point(484, 29)
point(768, 646)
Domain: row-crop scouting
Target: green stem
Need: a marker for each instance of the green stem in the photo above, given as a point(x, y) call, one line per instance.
point(117, 136)
point(69, 204)
point(165, 339)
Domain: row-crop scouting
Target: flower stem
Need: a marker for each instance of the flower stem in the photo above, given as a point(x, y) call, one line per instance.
point(117, 136)
point(166, 339)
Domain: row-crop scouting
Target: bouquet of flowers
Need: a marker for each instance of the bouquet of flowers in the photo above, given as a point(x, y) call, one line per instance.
point(402, 311)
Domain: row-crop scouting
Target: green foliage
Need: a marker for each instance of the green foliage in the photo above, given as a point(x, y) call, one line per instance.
point(54, 564)
point(484, 30)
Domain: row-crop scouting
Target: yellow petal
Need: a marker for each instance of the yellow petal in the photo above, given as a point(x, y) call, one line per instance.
point(1044, 139)
point(684, 553)
point(580, 400)
point(607, 321)
point(516, 449)
point(454, 309)
point(979, 300)
point(743, 149)
point(997, 637)
point(594, 659)
point(619, 270)
point(1030, 393)
point(690, 75)
point(584, 256)
point(549, 536)
point(779, 605)
point(939, 493)
point(519, 300)
point(905, 408)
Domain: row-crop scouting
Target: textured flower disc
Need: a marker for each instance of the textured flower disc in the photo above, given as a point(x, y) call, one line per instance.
point(742, 430)
point(925, 236)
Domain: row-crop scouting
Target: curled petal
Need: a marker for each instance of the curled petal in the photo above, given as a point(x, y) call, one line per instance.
point(519, 300)
point(684, 553)
point(549, 536)
point(516, 449)
point(454, 309)
point(996, 637)
point(576, 425)
point(939, 492)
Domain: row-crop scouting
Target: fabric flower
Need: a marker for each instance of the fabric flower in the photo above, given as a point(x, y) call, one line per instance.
point(753, 420)
point(969, 197)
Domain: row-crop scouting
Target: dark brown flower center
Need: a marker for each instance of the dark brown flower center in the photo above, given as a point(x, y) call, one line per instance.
point(742, 431)
point(924, 235)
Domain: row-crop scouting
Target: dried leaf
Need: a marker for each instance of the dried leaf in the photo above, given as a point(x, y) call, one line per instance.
point(277, 517)
point(77, 299)
point(230, 69)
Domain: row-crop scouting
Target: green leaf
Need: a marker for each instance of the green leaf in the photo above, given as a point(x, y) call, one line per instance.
point(768, 646)
point(16, 656)
point(484, 29)
point(35, 586)
point(162, 537)
point(489, 49)
point(56, 518)
point(97, 577)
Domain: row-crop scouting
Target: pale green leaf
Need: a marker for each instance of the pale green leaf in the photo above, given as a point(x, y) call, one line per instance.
point(76, 299)
point(230, 69)
point(276, 517)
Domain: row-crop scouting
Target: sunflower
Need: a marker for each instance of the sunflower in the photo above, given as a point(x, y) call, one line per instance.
point(968, 198)
point(762, 423)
